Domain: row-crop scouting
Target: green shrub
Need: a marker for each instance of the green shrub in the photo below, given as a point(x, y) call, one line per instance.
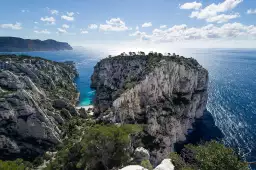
point(209, 156)
point(109, 144)
point(146, 164)
point(215, 156)
point(18, 164)
point(177, 161)
point(99, 147)
point(38, 161)
point(47, 157)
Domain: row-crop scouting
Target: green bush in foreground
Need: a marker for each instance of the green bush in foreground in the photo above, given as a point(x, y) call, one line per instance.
point(99, 147)
point(18, 164)
point(146, 164)
point(210, 156)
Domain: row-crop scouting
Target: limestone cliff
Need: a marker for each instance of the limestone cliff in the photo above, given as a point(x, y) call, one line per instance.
point(167, 93)
point(36, 96)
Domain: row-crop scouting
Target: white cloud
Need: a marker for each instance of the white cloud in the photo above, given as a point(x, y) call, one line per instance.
point(68, 18)
point(163, 26)
point(137, 28)
point(92, 26)
point(251, 11)
point(54, 12)
point(183, 32)
point(61, 30)
point(42, 31)
point(16, 26)
point(141, 35)
point(83, 31)
point(65, 26)
point(49, 20)
point(35, 22)
point(222, 18)
point(191, 5)
point(211, 13)
point(70, 14)
point(24, 10)
point(147, 24)
point(114, 24)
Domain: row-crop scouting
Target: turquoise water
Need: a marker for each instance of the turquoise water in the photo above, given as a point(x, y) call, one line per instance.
point(232, 89)
point(85, 60)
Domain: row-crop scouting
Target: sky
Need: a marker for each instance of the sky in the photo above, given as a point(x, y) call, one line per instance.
point(133, 23)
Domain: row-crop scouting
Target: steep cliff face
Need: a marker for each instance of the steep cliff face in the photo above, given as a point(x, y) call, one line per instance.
point(36, 96)
point(15, 44)
point(167, 93)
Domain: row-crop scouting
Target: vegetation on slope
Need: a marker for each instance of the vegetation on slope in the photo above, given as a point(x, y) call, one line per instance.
point(209, 156)
point(18, 164)
point(94, 146)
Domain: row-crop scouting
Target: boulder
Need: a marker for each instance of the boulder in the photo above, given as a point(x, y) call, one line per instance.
point(166, 164)
point(59, 104)
point(140, 154)
point(133, 167)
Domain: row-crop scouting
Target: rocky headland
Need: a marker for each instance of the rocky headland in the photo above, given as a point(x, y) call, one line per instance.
point(144, 106)
point(165, 93)
point(36, 97)
point(15, 44)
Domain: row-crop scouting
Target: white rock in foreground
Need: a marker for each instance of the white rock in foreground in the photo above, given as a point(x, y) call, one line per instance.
point(133, 167)
point(166, 164)
point(141, 153)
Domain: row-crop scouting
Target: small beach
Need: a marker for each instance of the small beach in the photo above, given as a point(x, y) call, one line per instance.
point(87, 108)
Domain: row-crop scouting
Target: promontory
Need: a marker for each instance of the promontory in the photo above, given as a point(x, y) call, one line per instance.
point(15, 44)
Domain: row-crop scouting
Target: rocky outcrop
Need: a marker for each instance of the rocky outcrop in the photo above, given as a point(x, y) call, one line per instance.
point(166, 164)
point(167, 93)
point(36, 96)
point(15, 44)
point(141, 154)
point(133, 167)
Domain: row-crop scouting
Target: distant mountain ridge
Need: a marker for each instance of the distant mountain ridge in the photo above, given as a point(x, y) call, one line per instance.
point(15, 44)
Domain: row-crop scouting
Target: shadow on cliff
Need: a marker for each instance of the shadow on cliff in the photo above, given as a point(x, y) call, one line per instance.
point(204, 129)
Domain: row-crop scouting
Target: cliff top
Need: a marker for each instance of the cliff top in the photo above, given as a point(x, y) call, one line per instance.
point(117, 75)
point(153, 58)
point(26, 58)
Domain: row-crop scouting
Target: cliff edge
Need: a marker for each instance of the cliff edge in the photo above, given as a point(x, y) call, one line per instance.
point(36, 96)
point(166, 93)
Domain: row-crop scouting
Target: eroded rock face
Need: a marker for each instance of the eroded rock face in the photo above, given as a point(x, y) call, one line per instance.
point(32, 93)
point(165, 93)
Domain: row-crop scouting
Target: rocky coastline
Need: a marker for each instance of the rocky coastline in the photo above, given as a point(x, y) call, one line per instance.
point(146, 109)
point(36, 97)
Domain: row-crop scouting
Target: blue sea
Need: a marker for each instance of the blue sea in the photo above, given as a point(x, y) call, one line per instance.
point(232, 89)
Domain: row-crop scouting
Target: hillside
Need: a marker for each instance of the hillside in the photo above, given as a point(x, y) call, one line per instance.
point(36, 97)
point(15, 44)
